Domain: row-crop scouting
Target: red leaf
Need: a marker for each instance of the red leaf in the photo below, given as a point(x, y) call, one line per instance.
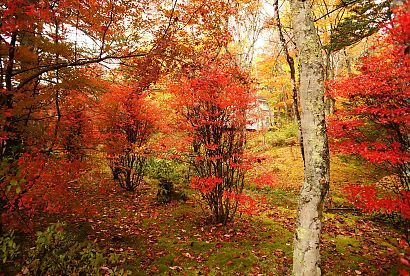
point(404, 261)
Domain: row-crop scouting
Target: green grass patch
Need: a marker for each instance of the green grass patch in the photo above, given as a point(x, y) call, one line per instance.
point(345, 243)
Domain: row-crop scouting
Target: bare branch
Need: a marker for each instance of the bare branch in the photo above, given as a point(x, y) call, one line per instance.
point(56, 66)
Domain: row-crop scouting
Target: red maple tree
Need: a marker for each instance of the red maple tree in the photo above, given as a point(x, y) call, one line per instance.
point(127, 120)
point(213, 101)
point(374, 121)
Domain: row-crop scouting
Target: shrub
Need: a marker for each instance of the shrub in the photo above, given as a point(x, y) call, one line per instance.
point(213, 102)
point(285, 135)
point(127, 123)
point(58, 253)
point(9, 250)
point(167, 173)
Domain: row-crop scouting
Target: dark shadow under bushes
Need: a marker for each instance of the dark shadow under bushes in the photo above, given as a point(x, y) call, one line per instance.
point(167, 174)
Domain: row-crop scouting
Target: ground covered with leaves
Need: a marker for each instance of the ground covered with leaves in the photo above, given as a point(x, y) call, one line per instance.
point(176, 238)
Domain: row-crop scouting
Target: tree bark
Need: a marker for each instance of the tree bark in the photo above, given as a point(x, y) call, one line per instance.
point(306, 255)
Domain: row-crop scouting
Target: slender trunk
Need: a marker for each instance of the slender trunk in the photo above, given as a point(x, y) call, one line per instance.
point(57, 90)
point(306, 255)
point(273, 116)
point(291, 64)
point(329, 75)
point(1, 74)
point(348, 63)
point(9, 70)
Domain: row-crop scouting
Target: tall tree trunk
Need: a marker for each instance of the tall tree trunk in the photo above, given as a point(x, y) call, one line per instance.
point(306, 254)
point(291, 64)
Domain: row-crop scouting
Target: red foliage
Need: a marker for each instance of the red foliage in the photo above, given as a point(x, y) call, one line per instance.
point(127, 120)
point(43, 183)
point(21, 14)
point(213, 101)
point(45, 173)
point(246, 204)
point(265, 179)
point(375, 121)
point(366, 199)
point(77, 132)
point(206, 185)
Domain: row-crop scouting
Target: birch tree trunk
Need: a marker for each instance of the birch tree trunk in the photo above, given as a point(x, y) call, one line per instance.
point(306, 255)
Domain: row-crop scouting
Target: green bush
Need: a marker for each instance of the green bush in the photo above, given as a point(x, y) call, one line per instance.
point(8, 248)
point(284, 135)
point(166, 173)
point(58, 253)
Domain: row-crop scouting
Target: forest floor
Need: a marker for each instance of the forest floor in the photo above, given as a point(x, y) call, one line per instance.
point(175, 239)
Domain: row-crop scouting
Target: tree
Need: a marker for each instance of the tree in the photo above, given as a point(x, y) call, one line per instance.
point(343, 24)
point(35, 179)
point(306, 255)
point(362, 19)
point(127, 121)
point(213, 102)
point(291, 63)
point(247, 26)
point(374, 119)
point(53, 51)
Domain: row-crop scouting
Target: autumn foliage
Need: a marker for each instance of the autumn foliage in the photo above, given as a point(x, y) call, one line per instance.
point(60, 109)
point(374, 120)
point(213, 101)
point(127, 121)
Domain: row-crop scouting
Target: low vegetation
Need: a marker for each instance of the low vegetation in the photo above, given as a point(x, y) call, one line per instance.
point(132, 233)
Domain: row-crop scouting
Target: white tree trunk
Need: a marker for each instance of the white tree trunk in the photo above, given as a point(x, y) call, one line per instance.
point(306, 254)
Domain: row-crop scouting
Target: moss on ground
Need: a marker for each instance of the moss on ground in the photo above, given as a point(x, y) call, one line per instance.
point(175, 238)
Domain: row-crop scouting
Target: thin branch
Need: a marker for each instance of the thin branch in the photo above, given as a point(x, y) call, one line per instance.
point(106, 28)
point(74, 64)
point(335, 9)
point(170, 18)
